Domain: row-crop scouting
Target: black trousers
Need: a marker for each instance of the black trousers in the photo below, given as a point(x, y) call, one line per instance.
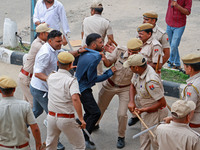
point(92, 111)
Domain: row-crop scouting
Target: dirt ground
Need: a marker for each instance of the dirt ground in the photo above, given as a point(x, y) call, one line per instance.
point(125, 16)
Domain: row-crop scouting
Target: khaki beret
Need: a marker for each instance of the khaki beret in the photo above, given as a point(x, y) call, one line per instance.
point(191, 59)
point(134, 44)
point(182, 108)
point(6, 82)
point(43, 27)
point(96, 4)
point(144, 27)
point(152, 15)
point(134, 60)
point(65, 57)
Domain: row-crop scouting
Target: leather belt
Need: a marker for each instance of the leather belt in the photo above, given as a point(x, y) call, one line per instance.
point(61, 115)
point(192, 125)
point(18, 147)
point(26, 73)
point(115, 85)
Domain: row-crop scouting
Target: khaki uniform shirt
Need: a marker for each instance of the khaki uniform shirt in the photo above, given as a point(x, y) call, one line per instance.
point(35, 47)
point(123, 75)
point(148, 87)
point(151, 50)
point(177, 136)
point(160, 35)
point(96, 24)
point(62, 85)
point(14, 117)
point(192, 92)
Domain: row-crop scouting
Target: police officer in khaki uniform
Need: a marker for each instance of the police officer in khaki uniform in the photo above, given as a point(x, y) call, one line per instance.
point(151, 48)
point(177, 134)
point(147, 90)
point(119, 85)
point(27, 69)
point(64, 97)
point(97, 24)
point(158, 33)
point(192, 90)
point(15, 115)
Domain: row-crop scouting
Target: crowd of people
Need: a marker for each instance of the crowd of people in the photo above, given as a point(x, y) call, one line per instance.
point(48, 83)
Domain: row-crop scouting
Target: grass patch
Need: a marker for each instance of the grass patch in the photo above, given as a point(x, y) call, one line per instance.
point(173, 75)
point(20, 48)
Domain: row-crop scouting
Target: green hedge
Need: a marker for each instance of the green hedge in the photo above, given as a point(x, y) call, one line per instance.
point(173, 75)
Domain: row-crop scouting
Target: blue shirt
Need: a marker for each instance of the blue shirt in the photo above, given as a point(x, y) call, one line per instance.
point(86, 71)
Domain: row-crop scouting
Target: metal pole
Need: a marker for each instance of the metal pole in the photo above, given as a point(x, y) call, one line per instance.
point(32, 35)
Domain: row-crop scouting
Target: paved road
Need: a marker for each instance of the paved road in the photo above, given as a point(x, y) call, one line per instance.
point(105, 138)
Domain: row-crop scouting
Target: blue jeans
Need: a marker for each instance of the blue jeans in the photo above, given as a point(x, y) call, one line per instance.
point(40, 101)
point(174, 35)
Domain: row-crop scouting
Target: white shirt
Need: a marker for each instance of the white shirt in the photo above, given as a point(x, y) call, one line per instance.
point(45, 62)
point(55, 16)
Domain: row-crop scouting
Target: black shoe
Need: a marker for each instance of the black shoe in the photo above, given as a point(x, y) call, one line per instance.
point(89, 145)
point(120, 142)
point(133, 121)
point(96, 127)
point(60, 146)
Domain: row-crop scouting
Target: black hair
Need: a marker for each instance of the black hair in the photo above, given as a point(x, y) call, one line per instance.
point(91, 38)
point(37, 34)
point(53, 34)
point(196, 66)
point(143, 66)
point(7, 91)
point(149, 30)
point(98, 10)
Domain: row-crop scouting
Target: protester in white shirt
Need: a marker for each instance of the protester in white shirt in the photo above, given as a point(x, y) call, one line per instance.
point(53, 13)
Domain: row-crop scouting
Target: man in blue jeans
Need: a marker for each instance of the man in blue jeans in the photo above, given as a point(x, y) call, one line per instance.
point(45, 63)
point(86, 73)
point(176, 21)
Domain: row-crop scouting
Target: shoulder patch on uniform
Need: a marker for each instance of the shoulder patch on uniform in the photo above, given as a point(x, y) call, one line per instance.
point(188, 94)
point(155, 50)
point(151, 87)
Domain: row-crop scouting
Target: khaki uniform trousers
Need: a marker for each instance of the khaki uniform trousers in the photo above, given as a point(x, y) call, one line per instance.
point(106, 94)
point(24, 83)
point(69, 127)
point(151, 119)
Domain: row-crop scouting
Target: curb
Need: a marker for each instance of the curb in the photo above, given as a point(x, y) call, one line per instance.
point(172, 89)
point(11, 57)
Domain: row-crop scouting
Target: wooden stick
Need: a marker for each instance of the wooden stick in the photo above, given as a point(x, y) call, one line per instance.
point(144, 124)
point(112, 41)
point(168, 107)
point(158, 62)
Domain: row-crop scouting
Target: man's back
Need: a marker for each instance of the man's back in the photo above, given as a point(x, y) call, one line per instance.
point(177, 136)
point(14, 117)
point(96, 24)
